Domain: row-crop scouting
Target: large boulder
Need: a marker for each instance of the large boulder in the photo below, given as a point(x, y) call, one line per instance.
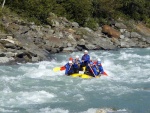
point(105, 43)
point(120, 25)
point(81, 42)
point(13, 27)
point(75, 24)
point(5, 59)
point(2, 48)
point(143, 29)
point(127, 43)
point(111, 31)
point(71, 40)
point(69, 49)
point(135, 35)
point(127, 34)
point(54, 42)
point(10, 43)
point(31, 47)
point(116, 42)
point(90, 46)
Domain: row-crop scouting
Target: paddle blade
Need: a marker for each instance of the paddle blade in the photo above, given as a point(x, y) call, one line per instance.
point(62, 68)
point(56, 69)
point(105, 74)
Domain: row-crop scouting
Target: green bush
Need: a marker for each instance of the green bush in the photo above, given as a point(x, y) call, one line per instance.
point(148, 22)
point(80, 10)
point(91, 23)
point(0, 12)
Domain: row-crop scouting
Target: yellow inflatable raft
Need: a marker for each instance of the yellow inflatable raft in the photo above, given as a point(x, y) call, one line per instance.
point(85, 76)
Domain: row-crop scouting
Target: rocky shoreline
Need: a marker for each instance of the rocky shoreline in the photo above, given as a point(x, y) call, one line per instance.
point(25, 41)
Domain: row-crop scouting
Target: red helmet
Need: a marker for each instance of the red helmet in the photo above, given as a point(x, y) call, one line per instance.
point(71, 58)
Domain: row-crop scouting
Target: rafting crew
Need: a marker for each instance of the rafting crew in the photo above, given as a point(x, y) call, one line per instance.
point(77, 64)
point(73, 66)
point(85, 58)
point(91, 68)
point(69, 68)
point(99, 67)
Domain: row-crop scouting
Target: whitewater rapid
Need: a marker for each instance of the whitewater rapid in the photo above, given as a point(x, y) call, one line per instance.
point(35, 88)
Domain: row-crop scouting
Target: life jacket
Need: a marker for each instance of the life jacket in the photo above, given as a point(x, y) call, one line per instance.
point(100, 68)
point(93, 70)
point(69, 68)
point(86, 58)
point(77, 63)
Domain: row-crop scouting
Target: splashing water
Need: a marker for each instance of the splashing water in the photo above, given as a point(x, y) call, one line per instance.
point(35, 88)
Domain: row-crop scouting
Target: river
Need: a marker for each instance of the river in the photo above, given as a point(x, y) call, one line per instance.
point(35, 88)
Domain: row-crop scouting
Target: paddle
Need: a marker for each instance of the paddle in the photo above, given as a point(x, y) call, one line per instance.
point(92, 71)
point(59, 68)
point(55, 69)
point(62, 68)
point(105, 74)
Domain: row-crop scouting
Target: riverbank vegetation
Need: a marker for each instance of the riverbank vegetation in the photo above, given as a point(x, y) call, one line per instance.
point(85, 12)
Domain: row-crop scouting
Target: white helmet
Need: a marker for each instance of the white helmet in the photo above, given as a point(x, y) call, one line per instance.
point(86, 51)
point(77, 56)
point(99, 60)
point(70, 62)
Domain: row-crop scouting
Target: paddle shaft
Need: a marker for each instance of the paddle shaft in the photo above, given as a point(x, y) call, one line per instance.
point(69, 68)
point(92, 71)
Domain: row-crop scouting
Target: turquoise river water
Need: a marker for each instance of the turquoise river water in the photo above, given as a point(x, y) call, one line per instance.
point(35, 88)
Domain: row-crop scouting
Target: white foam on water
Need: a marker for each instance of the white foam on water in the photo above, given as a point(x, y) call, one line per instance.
point(10, 79)
point(25, 98)
point(6, 90)
point(79, 97)
point(90, 110)
point(124, 69)
point(7, 81)
point(104, 110)
point(127, 56)
point(34, 97)
point(43, 69)
point(55, 110)
point(36, 72)
point(148, 48)
point(109, 67)
point(2, 71)
point(25, 68)
point(104, 86)
point(147, 57)
point(148, 80)
point(2, 110)
point(117, 83)
point(128, 71)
